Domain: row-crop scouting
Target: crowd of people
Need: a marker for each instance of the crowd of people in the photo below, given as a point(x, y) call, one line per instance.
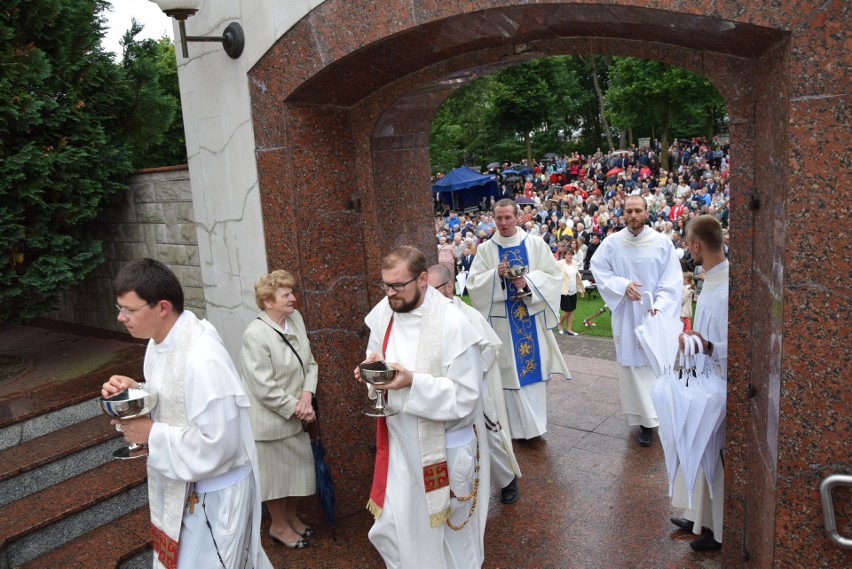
point(468, 379)
point(581, 198)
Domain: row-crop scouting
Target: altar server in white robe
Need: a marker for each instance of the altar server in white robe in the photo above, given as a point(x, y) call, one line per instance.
point(202, 484)
point(637, 259)
point(504, 466)
point(705, 242)
point(430, 487)
point(530, 354)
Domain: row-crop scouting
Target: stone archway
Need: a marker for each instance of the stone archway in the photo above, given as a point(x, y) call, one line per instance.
point(342, 105)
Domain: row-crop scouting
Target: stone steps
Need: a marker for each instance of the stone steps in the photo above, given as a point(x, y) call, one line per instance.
point(61, 493)
point(124, 543)
point(53, 458)
point(52, 517)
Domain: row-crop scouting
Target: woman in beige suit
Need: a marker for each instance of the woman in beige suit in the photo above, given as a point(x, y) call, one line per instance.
point(280, 385)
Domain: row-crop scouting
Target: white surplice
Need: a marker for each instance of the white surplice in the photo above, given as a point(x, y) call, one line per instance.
point(526, 406)
point(649, 259)
point(215, 450)
point(711, 321)
point(504, 465)
point(402, 533)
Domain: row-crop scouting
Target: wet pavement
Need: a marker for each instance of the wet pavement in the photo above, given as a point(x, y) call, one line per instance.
point(590, 497)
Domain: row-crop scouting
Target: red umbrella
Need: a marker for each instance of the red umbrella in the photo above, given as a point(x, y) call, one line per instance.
point(613, 172)
point(558, 178)
point(570, 187)
point(644, 171)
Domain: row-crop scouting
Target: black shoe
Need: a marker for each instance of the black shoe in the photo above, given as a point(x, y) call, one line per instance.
point(682, 523)
point(706, 543)
point(509, 494)
point(644, 437)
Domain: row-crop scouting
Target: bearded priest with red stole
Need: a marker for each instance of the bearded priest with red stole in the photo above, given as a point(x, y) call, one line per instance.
point(431, 481)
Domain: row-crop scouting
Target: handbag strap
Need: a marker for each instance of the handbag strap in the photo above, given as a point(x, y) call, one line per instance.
point(286, 341)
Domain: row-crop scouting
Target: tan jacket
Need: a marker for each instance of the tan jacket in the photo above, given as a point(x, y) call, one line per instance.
point(273, 378)
point(569, 272)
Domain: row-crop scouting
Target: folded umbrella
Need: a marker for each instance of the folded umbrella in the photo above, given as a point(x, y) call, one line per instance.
point(658, 335)
point(662, 395)
point(325, 484)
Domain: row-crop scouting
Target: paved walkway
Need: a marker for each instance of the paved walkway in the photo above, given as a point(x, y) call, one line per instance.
point(590, 497)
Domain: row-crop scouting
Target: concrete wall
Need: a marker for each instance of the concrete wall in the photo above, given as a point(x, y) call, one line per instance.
point(152, 218)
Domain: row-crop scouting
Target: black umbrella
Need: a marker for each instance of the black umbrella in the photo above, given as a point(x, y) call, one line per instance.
point(325, 485)
point(551, 155)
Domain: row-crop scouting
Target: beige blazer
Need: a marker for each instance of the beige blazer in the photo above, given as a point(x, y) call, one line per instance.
point(273, 378)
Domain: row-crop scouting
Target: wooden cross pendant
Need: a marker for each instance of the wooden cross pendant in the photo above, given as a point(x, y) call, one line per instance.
point(193, 500)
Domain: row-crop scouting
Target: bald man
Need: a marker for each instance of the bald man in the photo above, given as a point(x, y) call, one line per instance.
point(504, 466)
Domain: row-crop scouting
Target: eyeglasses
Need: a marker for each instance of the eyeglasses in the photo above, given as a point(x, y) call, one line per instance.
point(443, 284)
point(127, 312)
point(397, 287)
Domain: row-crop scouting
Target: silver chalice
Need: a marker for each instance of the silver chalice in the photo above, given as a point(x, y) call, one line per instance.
point(514, 272)
point(378, 373)
point(129, 404)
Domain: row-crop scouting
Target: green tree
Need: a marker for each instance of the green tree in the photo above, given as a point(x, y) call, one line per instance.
point(651, 97)
point(65, 145)
point(154, 97)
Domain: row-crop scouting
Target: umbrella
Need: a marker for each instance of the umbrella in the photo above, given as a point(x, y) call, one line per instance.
point(658, 335)
point(513, 178)
point(525, 171)
point(558, 178)
point(644, 171)
point(571, 187)
point(717, 388)
point(493, 165)
point(510, 171)
point(699, 410)
point(551, 155)
point(517, 167)
point(523, 200)
point(325, 485)
point(662, 395)
point(613, 172)
point(573, 159)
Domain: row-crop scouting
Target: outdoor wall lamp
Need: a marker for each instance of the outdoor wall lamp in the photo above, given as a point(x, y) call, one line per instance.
point(233, 40)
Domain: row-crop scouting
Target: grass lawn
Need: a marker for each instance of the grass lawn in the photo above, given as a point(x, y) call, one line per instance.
point(585, 308)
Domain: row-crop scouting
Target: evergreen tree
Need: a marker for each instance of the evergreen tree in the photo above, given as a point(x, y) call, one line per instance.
point(65, 145)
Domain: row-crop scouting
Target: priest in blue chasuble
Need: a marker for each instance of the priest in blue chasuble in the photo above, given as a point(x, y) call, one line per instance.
point(522, 310)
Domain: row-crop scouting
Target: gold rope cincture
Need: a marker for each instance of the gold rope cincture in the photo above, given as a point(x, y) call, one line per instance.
point(473, 496)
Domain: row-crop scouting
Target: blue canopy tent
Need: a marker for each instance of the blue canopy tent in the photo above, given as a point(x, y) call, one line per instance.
point(464, 188)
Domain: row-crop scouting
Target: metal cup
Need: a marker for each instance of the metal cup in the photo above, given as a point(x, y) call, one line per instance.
point(514, 272)
point(378, 373)
point(129, 404)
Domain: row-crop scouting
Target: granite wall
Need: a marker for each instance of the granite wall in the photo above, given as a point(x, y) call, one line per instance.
point(342, 105)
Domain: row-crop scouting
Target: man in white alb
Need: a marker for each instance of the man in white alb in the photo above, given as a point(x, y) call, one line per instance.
point(504, 466)
point(530, 355)
point(637, 259)
point(202, 485)
point(430, 485)
point(705, 242)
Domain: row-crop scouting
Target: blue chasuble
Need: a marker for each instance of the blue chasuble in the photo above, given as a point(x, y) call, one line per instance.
point(521, 324)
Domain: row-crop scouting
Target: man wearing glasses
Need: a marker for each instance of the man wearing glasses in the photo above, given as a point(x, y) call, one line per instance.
point(202, 486)
point(430, 487)
point(522, 310)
